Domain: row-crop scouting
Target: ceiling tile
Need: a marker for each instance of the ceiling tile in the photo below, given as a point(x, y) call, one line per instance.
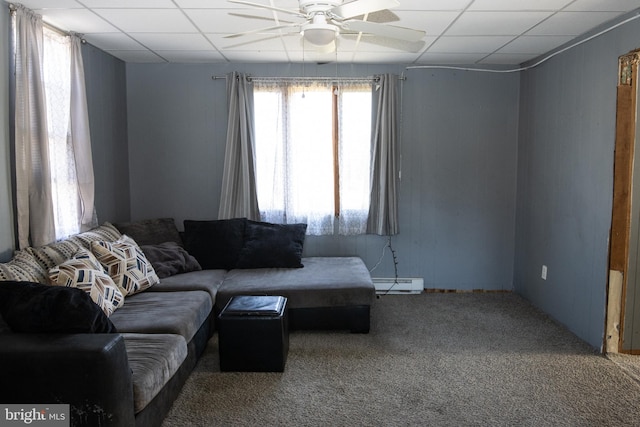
point(155, 41)
point(433, 23)
point(534, 44)
point(603, 5)
point(216, 21)
point(129, 4)
point(49, 4)
point(78, 20)
point(263, 44)
point(248, 43)
point(384, 58)
point(571, 23)
point(222, 4)
point(455, 5)
point(450, 58)
point(379, 44)
point(113, 41)
point(495, 23)
point(257, 56)
point(136, 56)
point(199, 56)
point(148, 20)
point(469, 44)
point(518, 5)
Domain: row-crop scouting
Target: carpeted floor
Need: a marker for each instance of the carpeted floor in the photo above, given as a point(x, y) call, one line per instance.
point(430, 360)
point(628, 363)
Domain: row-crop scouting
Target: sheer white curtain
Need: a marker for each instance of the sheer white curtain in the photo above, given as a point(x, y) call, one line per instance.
point(297, 161)
point(54, 170)
point(79, 137)
point(354, 109)
point(35, 218)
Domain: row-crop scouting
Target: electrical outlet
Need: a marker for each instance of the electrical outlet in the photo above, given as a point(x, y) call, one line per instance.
point(544, 272)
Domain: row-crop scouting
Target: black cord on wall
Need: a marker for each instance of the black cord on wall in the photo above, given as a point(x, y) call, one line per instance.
point(395, 267)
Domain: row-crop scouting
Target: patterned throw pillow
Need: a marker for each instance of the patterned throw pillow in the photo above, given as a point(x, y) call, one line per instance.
point(23, 267)
point(126, 264)
point(85, 272)
point(49, 256)
point(106, 232)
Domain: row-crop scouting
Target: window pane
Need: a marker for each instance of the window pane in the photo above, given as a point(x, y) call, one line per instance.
point(269, 150)
point(355, 148)
point(311, 153)
point(355, 158)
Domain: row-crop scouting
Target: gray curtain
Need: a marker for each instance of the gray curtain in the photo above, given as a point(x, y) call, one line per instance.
point(34, 207)
point(383, 208)
point(238, 197)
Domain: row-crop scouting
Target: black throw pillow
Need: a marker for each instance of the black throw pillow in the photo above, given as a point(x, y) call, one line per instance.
point(269, 245)
point(216, 244)
point(36, 308)
point(151, 231)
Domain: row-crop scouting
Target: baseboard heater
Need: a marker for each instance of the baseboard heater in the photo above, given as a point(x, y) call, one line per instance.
point(389, 285)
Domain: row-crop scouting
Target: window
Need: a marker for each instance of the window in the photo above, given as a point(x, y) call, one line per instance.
point(313, 154)
point(57, 80)
point(54, 184)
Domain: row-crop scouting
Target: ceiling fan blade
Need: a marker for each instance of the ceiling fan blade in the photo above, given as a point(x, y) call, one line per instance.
point(362, 7)
point(400, 33)
point(262, 18)
point(401, 45)
point(247, 42)
point(268, 7)
point(293, 28)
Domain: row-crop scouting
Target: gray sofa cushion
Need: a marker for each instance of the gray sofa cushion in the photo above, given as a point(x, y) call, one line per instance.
point(323, 282)
point(204, 280)
point(179, 313)
point(153, 359)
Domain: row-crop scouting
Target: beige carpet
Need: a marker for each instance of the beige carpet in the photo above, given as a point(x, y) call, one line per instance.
point(628, 363)
point(429, 360)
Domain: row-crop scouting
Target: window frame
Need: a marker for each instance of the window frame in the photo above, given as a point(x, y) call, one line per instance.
point(336, 88)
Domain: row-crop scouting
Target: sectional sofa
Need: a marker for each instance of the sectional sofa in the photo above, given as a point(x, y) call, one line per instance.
point(136, 304)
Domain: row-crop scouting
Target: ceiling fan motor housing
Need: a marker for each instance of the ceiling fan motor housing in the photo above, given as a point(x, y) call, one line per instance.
point(311, 7)
point(319, 31)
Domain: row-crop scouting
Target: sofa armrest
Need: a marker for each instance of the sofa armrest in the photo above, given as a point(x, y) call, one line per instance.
point(90, 372)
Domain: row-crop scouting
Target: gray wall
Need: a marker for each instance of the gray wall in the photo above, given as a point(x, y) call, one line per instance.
point(457, 195)
point(105, 79)
point(6, 213)
point(565, 180)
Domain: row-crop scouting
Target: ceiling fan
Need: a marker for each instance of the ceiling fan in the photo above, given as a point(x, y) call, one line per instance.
point(324, 20)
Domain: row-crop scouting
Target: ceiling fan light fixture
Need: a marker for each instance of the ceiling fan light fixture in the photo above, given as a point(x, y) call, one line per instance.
point(319, 34)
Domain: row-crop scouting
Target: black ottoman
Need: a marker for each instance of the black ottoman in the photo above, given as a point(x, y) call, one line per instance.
point(253, 334)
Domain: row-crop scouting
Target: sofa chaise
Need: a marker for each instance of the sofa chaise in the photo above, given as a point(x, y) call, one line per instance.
point(122, 361)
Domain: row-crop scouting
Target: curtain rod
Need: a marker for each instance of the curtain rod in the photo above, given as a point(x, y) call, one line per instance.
point(311, 79)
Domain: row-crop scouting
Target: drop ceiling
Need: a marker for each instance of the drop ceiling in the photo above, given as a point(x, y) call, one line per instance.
point(484, 32)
